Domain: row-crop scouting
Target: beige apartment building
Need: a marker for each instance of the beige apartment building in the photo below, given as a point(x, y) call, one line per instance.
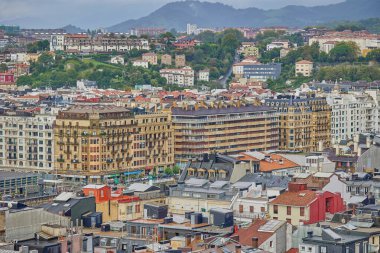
point(180, 77)
point(305, 123)
point(180, 60)
point(304, 68)
point(166, 59)
point(96, 142)
point(228, 128)
point(150, 57)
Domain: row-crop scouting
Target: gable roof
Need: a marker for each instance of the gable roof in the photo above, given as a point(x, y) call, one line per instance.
point(299, 198)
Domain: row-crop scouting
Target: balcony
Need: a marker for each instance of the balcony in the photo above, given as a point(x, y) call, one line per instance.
point(75, 161)
point(60, 160)
point(109, 160)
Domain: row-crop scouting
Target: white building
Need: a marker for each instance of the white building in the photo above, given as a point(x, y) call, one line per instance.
point(57, 42)
point(204, 75)
point(117, 60)
point(278, 44)
point(352, 114)
point(180, 77)
point(141, 63)
point(26, 142)
point(191, 28)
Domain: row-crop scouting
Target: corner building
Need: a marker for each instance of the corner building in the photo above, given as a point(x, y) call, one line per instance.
point(97, 142)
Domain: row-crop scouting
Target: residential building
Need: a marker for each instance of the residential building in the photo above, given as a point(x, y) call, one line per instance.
point(16, 183)
point(191, 28)
point(363, 39)
point(6, 78)
point(277, 44)
point(352, 113)
point(228, 128)
point(69, 205)
point(328, 46)
point(149, 31)
point(166, 59)
point(207, 168)
point(284, 52)
point(204, 75)
point(94, 142)
point(304, 68)
point(117, 60)
point(335, 240)
point(256, 71)
point(26, 141)
point(57, 42)
point(150, 57)
point(181, 77)
point(304, 123)
point(301, 206)
point(269, 235)
point(249, 49)
point(180, 60)
point(184, 43)
point(141, 63)
point(76, 43)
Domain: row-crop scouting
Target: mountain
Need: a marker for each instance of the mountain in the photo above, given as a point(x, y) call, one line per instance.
point(205, 14)
point(73, 29)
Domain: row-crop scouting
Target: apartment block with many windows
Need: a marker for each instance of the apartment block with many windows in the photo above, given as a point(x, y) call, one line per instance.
point(97, 142)
point(26, 142)
point(224, 128)
point(304, 123)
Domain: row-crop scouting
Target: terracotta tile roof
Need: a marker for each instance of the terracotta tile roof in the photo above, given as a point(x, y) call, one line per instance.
point(274, 164)
point(300, 198)
point(246, 234)
point(304, 62)
point(292, 250)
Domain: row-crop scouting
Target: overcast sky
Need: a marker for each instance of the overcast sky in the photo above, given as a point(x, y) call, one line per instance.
point(104, 13)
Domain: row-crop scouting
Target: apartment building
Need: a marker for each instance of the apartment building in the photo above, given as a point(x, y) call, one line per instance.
point(204, 75)
point(304, 68)
point(75, 43)
point(363, 39)
point(304, 123)
point(141, 63)
point(352, 114)
point(96, 142)
point(149, 31)
point(26, 142)
point(150, 57)
point(223, 127)
point(251, 69)
point(180, 60)
point(180, 77)
point(166, 59)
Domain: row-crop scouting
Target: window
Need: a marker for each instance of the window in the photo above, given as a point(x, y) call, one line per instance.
point(271, 244)
point(289, 221)
point(275, 209)
point(251, 209)
point(241, 208)
point(302, 211)
point(137, 208)
point(365, 247)
point(289, 210)
point(357, 247)
point(323, 249)
point(262, 209)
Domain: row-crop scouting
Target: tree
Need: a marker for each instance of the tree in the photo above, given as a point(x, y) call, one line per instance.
point(344, 52)
point(374, 55)
point(3, 67)
point(176, 169)
point(24, 80)
point(168, 171)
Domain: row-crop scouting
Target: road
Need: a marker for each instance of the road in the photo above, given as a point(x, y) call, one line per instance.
point(223, 80)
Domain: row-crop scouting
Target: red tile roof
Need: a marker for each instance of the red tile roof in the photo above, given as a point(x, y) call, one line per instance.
point(300, 198)
point(246, 234)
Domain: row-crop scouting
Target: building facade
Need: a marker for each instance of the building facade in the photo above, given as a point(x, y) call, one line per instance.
point(304, 68)
point(180, 60)
point(97, 142)
point(180, 77)
point(224, 128)
point(304, 123)
point(150, 57)
point(26, 142)
point(166, 59)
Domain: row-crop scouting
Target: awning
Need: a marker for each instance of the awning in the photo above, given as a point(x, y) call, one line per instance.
point(134, 172)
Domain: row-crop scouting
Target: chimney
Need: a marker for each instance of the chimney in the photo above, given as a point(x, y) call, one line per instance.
point(309, 234)
point(238, 248)
point(255, 242)
point(368, 141)
point(296, 187)
point(188, 240)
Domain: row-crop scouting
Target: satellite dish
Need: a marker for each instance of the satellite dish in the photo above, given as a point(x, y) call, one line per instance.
point(10, 205)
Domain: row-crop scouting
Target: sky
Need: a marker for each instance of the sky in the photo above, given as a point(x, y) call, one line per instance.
point(104, 13)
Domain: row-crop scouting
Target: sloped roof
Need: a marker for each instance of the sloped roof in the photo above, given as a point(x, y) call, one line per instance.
point(300, 198)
